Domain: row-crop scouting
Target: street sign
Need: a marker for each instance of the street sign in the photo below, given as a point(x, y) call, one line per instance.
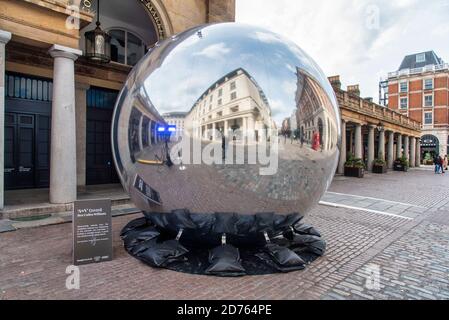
point(92, 231)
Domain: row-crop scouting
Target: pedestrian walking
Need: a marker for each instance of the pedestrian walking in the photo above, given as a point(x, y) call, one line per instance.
point(441, 163)
point(445, 162)
point(436, 162)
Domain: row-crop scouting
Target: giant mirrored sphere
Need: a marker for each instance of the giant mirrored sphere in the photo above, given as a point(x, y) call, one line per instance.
point(226, 118)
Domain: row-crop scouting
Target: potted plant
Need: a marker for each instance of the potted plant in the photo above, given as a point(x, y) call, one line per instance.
point(354, 167)
point(379, 165)
point(401, 164)
point(428, 160)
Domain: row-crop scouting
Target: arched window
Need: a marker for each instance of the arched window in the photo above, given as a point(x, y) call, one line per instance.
point(126, 47)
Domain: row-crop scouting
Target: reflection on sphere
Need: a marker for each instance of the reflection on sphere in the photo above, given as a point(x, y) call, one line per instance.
point(226, 118)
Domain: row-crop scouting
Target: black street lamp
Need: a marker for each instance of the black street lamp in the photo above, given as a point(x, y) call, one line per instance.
point(98, 42)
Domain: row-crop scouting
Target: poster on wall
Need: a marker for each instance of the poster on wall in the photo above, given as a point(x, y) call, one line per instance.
point(92, 231)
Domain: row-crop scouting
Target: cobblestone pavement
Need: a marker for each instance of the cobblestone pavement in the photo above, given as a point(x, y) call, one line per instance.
point(370, 255)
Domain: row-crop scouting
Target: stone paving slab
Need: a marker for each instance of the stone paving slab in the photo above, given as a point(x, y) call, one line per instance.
point(410, 255)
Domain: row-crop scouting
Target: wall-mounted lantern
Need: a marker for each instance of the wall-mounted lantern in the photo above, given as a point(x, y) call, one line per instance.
point(98, 42)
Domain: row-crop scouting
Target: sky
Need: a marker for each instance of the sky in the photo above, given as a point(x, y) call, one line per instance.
point(190, 64)
point(359, 40)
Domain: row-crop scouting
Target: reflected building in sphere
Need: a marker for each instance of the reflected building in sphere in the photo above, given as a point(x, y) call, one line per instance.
point(176, 119)
point(235, 103)
point(311, 114)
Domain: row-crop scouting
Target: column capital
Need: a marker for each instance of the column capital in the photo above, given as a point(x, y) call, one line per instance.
point(82, 86)
point(5, 36)
point(57, 51)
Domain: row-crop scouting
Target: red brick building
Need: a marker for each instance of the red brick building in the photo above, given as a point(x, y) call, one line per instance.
point(420, 90)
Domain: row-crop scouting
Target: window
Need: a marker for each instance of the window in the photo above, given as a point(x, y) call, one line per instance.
point(126, 48)
point(233, 95)
point(220, 92)
point(211, 98)
point(220, 102)
point(428, 84)
point(404, 86)
point(428, 118)
point(428, 101)
point(404, 103)
point(420, 58)
point(233, 85)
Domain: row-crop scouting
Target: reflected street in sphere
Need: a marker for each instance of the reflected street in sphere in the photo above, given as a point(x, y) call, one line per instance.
point(260, 124)
point(226, 134)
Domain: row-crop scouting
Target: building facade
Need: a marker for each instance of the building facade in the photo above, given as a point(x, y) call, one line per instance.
point(235, 103)
point(177, 120)
point(371, 131)
point(55, 103)
point(419, 89)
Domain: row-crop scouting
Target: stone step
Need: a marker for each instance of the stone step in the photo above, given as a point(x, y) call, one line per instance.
point(42, 209)
point(8, 225)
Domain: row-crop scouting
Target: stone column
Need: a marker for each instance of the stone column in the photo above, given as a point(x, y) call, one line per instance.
point(358, 141)
point(226, 128)
point(63, 133)
point(251, 129)
point(406, 147)
point(381, 152)
point(4, 39)
point(140, 135)
point(341, 164)
point(412, 151)
point(390, 160)
point(370, 147)
point(81, 114)
point(150, 134)
point(399, 146)
point(418, 153)
point(214, 136)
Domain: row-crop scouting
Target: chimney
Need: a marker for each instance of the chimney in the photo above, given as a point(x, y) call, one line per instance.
point(354, 89)
point(335, 82)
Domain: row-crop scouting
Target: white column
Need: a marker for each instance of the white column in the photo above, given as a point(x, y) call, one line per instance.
point(81, 114)
point(358, 141)
point(4, 39)
point(341, 164)
point(251, 129)
point(412, 151)
point(63, 133)
point(390, 160)
point(370, 147)
point(214, 136)
point(418, 153)
point(226, 128)
point(150, 134)
point(399, 146)
point(140, 135)
point(406, 147)
point(381, 152)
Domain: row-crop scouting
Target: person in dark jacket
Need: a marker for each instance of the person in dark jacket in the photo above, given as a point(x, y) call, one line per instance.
point(440, 162)
point(436, 162)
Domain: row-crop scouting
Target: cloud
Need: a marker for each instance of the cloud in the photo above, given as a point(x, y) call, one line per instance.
point(354, 38)
point(214, 51)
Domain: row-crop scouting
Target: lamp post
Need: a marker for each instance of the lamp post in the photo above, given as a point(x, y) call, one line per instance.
point(98, 42)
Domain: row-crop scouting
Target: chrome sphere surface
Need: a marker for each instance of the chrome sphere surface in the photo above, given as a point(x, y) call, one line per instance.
point(226, 118)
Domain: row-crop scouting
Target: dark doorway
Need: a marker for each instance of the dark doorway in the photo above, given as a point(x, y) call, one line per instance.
point(100, 167)
point(27, 131)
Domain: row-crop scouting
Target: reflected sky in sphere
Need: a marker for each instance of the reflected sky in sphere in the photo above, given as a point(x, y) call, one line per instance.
point(254, 124)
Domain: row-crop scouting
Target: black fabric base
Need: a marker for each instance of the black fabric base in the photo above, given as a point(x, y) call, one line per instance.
point(200, 250)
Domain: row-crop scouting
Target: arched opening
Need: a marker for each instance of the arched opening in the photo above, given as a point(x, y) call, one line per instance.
point(430, 147)
point(133, 26)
